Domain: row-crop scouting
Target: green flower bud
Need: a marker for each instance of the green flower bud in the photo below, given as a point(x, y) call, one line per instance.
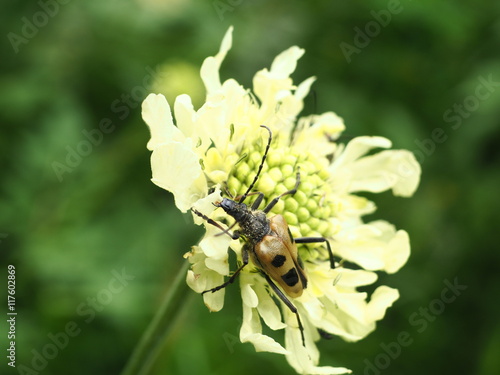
point(308, 211)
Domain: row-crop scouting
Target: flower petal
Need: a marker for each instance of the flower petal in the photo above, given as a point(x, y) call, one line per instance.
point(219, 265)
point(210, 67)
point(382, 298)
point(355, 278)
point(391, 169)
point(267, 308)
point(263, 343)
point(274, 86)
point(358, 147)
point(374, 246)
point(200, 278)
point(360, 245)
point(249, 296)
point(303, 88)
point(317, 131)
point(305, 359)
point(251, 331)
point(285, 63)
point(215, 301)
point(176, 168)
point(214, 245)
point(397, 250)
point(206, 205)
point(156, 113)
point(185, 115)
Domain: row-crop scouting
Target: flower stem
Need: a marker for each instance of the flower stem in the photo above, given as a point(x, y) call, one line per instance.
point(148, 348)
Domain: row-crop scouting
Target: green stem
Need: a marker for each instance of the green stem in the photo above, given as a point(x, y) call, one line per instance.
point(154, 337)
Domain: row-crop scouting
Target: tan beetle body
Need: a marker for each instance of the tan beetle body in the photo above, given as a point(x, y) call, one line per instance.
point(277, 256)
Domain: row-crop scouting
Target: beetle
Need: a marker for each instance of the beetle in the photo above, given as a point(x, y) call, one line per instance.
point(268, 242)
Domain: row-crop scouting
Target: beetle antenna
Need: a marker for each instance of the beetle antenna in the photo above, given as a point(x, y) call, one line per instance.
point(243, 197)
point(226, 231)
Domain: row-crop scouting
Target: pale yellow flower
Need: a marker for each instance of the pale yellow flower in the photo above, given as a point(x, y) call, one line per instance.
point(218, 148)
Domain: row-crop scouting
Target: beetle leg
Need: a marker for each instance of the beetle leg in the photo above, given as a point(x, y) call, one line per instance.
point(244, 256)
point(287, 302)
point(271, 204)
point(318, 239)
point(235, 235)
point(257, 202)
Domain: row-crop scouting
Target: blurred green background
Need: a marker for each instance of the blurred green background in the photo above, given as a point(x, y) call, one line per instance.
point(395, 69)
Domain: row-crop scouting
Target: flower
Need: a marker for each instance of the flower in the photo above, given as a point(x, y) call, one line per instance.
point(218, 148)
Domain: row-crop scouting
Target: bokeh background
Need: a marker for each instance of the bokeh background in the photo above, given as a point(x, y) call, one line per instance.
point(427, 65)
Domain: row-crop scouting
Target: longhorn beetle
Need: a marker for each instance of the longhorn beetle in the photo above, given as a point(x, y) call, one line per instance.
point(268, 242)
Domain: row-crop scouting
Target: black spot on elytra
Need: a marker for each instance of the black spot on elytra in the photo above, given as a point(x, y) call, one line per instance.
point(278, 260)
point(291, 277)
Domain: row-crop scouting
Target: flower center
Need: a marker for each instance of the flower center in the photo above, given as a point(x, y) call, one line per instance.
point(311, 211)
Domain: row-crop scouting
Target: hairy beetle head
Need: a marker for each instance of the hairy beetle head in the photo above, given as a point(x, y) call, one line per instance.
point(228, 205)
point(235, 209)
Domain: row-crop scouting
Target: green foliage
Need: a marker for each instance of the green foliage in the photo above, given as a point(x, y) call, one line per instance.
point(78, 207)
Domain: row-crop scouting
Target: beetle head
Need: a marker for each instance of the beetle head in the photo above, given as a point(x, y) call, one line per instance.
point(235, 209)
